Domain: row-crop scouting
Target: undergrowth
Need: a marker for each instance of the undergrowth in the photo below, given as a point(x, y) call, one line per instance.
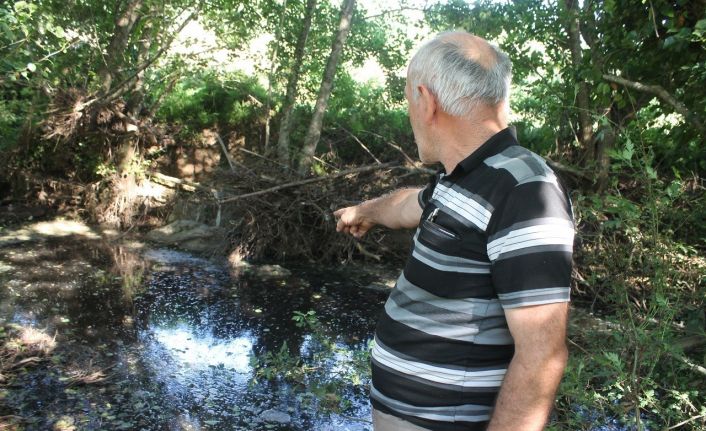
point(641, 364)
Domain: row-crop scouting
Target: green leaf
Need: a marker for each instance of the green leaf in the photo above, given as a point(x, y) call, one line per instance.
point(31, 67)
point(671, 40)
point(614, 359)
point(603, 88)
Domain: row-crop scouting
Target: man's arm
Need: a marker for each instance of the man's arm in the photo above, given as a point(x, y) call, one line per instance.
point(399, 209)
point(527, 393)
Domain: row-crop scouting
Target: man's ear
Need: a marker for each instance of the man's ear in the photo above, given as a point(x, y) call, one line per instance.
point(427, 103)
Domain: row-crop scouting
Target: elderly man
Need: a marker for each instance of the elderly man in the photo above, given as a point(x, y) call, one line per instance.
point(473, 334)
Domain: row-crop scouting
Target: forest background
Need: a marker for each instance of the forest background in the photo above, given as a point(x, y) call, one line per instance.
point(228, 100)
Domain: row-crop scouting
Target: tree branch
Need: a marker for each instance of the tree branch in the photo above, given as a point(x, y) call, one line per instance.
point(310, 180)
point(401, 9)
point(119, 89)
point(664, 95)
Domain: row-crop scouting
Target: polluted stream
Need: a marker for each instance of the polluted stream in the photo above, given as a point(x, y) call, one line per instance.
point(118, 335)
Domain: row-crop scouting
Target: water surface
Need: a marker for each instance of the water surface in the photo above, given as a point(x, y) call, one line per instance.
point(158, 339)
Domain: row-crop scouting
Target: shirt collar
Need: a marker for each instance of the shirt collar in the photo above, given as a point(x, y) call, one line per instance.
point(496, 144)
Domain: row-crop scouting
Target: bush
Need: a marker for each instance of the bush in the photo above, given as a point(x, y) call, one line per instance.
point(633, 367)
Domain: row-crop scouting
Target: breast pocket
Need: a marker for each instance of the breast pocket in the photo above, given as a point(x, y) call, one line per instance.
point(439, 237)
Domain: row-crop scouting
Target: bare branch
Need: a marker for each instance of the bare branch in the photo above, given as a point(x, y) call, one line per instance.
point(392, 11)
point(355, 138)
point(310, 180)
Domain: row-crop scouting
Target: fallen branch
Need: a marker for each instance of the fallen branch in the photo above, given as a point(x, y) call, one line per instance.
point(310, 180)
point(252, 153)
point(365, 252)
point(225, 152)
point(90, 379)
point(682, 423)
point(34, 360)
point(361, 144)
point(395, 146)
point(174, 183)
point(663, 94)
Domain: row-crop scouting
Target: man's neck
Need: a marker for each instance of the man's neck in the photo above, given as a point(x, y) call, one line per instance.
point(461, 137)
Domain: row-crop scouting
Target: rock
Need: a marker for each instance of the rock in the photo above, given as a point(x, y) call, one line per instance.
point(276, 416)
point(188, 235)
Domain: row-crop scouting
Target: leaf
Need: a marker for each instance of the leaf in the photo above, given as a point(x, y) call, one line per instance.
point(613, 358)
point(31, 67)
point(603, 88)
point(671, 40)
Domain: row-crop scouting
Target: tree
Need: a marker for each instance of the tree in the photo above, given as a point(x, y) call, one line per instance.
point(568, 57)
point(313, 133)
point(114, 59)
point(286, 122)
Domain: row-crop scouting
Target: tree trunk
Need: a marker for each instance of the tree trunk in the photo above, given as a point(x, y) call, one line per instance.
point(137, 95)
point(602, 148)
point(271, 75)
point(124, 23)
point(573, 27)
point(119, 89)
point(285, 127)
point(313, 134)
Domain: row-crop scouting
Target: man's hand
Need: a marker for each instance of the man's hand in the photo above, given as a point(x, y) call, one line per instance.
point(353, 221)
point(399, 209)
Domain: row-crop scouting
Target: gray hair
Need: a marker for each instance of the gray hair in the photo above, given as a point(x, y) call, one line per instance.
point(458, 82)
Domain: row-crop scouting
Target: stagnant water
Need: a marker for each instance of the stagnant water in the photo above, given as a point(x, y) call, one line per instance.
point(154, 339)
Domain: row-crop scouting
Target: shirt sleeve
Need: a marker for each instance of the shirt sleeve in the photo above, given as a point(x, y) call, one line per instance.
point(531, 244)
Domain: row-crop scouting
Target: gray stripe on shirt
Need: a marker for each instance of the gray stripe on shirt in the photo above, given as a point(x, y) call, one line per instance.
point(465, 412)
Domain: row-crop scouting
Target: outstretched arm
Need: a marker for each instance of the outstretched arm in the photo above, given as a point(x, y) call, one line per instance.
point(399, 209)
point(527, 393)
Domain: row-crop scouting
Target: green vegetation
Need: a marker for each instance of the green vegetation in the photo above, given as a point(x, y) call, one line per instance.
point(613, 93)
point(326, 372)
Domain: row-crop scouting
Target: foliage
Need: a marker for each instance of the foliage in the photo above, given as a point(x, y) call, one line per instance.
point(329, 370)
point(652, 289)
point(206, 100)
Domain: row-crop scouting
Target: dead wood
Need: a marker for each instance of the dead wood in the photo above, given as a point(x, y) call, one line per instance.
point(312, 180)
point(178, 183)
point(86, 378)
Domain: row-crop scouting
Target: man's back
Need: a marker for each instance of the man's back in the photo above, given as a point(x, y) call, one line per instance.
point(443, 344)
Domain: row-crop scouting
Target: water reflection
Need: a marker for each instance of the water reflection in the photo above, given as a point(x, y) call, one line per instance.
point(177, 334)
point(201, 329)
point(189, 349)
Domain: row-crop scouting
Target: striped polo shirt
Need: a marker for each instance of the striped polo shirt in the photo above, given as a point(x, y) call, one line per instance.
point(496, 233)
